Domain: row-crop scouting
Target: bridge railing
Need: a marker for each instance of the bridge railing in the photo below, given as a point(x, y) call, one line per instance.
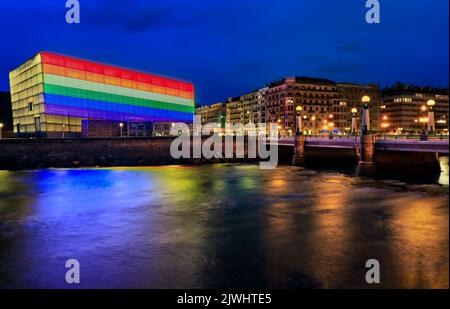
point(435, 137)
point(392, 137)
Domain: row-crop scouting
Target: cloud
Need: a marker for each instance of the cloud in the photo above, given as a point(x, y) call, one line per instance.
point(351, 48)
point(141, 18)
point(339, 67)
point(251, 66)
point(309, 57)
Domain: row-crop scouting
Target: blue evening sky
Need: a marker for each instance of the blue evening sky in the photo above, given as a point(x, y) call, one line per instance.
point(228, 47)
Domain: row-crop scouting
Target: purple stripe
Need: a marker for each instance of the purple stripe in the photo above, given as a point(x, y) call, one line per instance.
point(97, 114)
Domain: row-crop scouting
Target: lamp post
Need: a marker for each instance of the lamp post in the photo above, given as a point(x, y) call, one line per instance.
point(423, 135)
point(298, 129)
point(313, 119)
point(365, 127)
point(431, 125)
point(1, 130)
point(423, 119)
point(121, 129)
point(354, 111)
point(331, 125)
point(299, 140)
point(385, 123)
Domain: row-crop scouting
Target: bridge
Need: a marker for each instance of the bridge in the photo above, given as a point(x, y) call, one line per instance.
point(370, 151)
point(409, 143)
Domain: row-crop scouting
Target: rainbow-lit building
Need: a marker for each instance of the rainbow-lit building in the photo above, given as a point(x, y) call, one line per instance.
point(52, 94)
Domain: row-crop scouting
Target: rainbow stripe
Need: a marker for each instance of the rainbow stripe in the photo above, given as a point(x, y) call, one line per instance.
point(79, 88)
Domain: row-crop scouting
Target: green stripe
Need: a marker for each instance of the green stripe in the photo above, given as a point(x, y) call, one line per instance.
point(107, 97)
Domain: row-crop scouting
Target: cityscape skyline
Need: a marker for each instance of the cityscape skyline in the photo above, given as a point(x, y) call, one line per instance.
point(224, 55)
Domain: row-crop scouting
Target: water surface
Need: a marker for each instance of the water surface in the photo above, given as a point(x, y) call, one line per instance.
point(221, 226)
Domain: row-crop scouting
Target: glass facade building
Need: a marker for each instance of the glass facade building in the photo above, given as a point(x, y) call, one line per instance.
point(52, 93)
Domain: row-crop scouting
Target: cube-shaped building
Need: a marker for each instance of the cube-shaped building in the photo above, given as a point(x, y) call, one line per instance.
point(52, 94)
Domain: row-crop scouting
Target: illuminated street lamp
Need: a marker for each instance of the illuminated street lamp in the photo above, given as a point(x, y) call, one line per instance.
point(1, 130)
point(298, 129)
point(424, 121)
point(431, 124)
point(121, 129)
point(63, 129)
point(331, 125)
point(365, 127)
point(423, 135)
point(313, 119)
point(385, 123)
point(354, 111)
point(365, 99)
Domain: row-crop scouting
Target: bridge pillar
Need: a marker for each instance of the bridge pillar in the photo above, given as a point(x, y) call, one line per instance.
point(299, 150)
point(366, 164)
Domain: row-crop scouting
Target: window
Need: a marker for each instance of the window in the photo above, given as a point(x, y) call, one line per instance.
point(30, 107)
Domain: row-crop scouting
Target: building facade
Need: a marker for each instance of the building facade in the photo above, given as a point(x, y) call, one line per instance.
point(215, 113)
point(316, 96)
point(254, 106)
point(405, 105)
point(52, 94)
point(350, 97)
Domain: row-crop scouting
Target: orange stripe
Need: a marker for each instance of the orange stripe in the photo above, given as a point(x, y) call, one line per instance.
point(114, 81)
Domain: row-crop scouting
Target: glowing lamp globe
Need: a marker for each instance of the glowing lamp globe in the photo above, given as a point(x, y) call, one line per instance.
point(365, 99)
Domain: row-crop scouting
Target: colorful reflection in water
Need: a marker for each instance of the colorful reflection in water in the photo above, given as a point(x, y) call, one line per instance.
point(220, 226)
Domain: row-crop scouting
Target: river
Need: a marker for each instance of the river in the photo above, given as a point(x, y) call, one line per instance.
point(216, 226)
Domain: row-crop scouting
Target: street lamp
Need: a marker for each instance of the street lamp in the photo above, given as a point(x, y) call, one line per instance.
point(313, 119)
point(424, 121)
point(423, 135)
point(121, 129)
point(298, 130)
point(385, 124)
point(63, 129)
point(431, 125)
point(365, 99)
point(365, 127)
point(1, 129)
point(331, 125)
point(354, 111)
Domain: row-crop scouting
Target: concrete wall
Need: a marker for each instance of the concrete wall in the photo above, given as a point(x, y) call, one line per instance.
point(74, 152)
point(40, 153)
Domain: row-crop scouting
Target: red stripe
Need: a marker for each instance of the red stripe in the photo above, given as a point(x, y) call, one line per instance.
point(89, 66)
